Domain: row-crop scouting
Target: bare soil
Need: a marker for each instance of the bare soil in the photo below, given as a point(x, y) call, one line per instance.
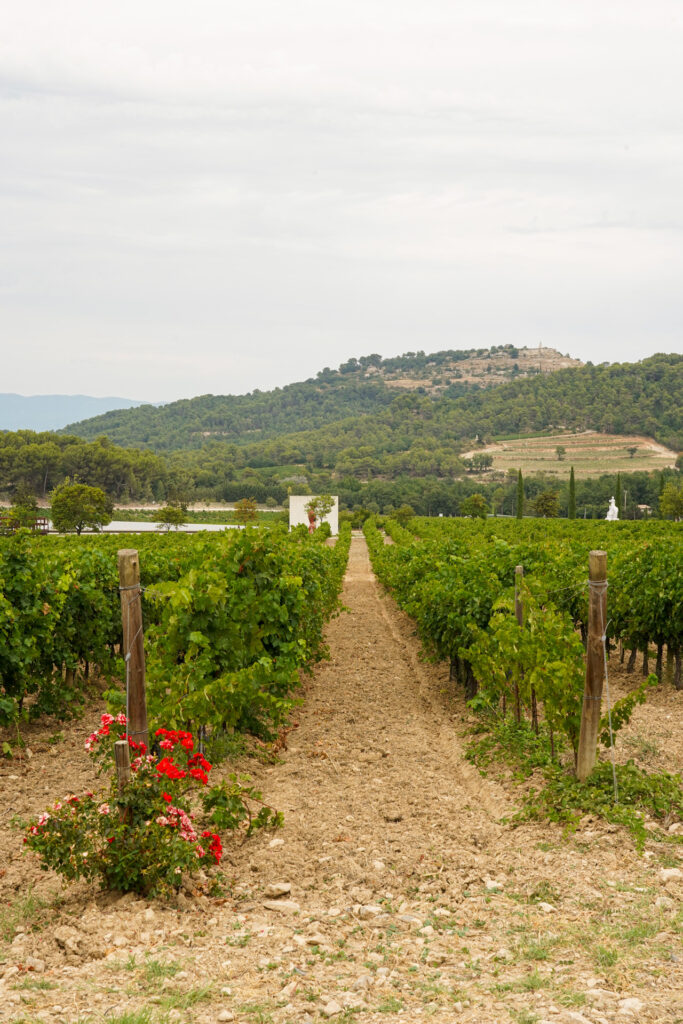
point(409, 897)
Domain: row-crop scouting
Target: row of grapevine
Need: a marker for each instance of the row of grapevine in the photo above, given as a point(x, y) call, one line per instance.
point(457, 580)
point(229, 619)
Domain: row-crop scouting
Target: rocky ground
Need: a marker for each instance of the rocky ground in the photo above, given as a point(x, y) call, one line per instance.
point(394, 890)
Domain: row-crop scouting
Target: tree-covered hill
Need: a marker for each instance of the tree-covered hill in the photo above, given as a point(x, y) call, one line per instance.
point(358, 387)
point(409, 449)
point(418, 434)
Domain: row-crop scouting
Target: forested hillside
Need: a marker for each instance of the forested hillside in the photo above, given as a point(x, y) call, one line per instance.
point(408, 449)
point(358, 387)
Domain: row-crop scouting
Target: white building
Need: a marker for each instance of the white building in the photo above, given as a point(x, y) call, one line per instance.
point(298, 513)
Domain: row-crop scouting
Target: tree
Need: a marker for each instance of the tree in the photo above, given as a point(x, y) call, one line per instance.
point(403, 514)
point(479, 463)
point(520, 495)
point(632, 449)
point(560, 451)
point(245, 510)
point(671, 501)
point(321, 506)
point(476, 506)
point(76, 507)
point(619, 495)
point(571, 508)
point(547, 505)
point(24, 511)
point(173, 515)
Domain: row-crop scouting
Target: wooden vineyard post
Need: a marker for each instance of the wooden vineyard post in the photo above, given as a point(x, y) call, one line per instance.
point(595, 665)
point(133, 644)
point(519, 612)
point(122, 758)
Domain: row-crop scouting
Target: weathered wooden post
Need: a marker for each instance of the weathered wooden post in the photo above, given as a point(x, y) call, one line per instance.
point(122, 758)
point(133, 644)
point(519, 612)
point(595, 664)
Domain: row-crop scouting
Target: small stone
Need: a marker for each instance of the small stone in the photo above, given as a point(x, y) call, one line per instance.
point(670, 874)
point(181, 975)
point(277, 889)
point(492, 885)
point(597, 997)
point(410, 919)
point(69, 939)
point(369, 910)
point(458, 1007)
point(315, 939)
point(10, 972)
point(427, 930)
point(547, 908)
point(665, 902)
point(282, 906)
point(364, 982)
point(392, 814)
point(631, 1005)
point(352, 1001)
point(331, 1009)
point(225, 991)
point(378, 865)
point(289, 991)
point(225, 1015)
point(33, 964)
point(275, 843)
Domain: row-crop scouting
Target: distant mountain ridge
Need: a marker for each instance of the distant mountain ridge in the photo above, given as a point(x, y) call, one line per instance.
point(52, 412)
point(359, 387)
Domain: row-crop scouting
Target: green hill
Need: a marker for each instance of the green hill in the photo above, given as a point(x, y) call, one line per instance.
point(417, 435)
point(378, 434)
point(358, 387)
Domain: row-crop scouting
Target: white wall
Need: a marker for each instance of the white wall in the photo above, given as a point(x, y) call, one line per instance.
point(298, 513)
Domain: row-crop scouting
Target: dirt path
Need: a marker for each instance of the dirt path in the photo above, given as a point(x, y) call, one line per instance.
point(406, 897)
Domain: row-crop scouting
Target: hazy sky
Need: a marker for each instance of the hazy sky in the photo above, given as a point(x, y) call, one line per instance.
point(218, 196)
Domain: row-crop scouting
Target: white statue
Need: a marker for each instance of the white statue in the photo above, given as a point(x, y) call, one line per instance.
point(612, 512)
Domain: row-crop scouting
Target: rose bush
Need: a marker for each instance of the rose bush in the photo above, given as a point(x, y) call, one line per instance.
point(141, 840)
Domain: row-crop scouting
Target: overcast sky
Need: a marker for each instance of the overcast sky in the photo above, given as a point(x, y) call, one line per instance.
point(219, 196)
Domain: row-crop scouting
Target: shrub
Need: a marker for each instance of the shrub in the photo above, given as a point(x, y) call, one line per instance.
point(142, 840)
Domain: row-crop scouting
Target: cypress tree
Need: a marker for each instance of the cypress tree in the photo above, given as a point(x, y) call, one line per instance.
point(571, 510)
point(520, 495)
point(619, 496)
